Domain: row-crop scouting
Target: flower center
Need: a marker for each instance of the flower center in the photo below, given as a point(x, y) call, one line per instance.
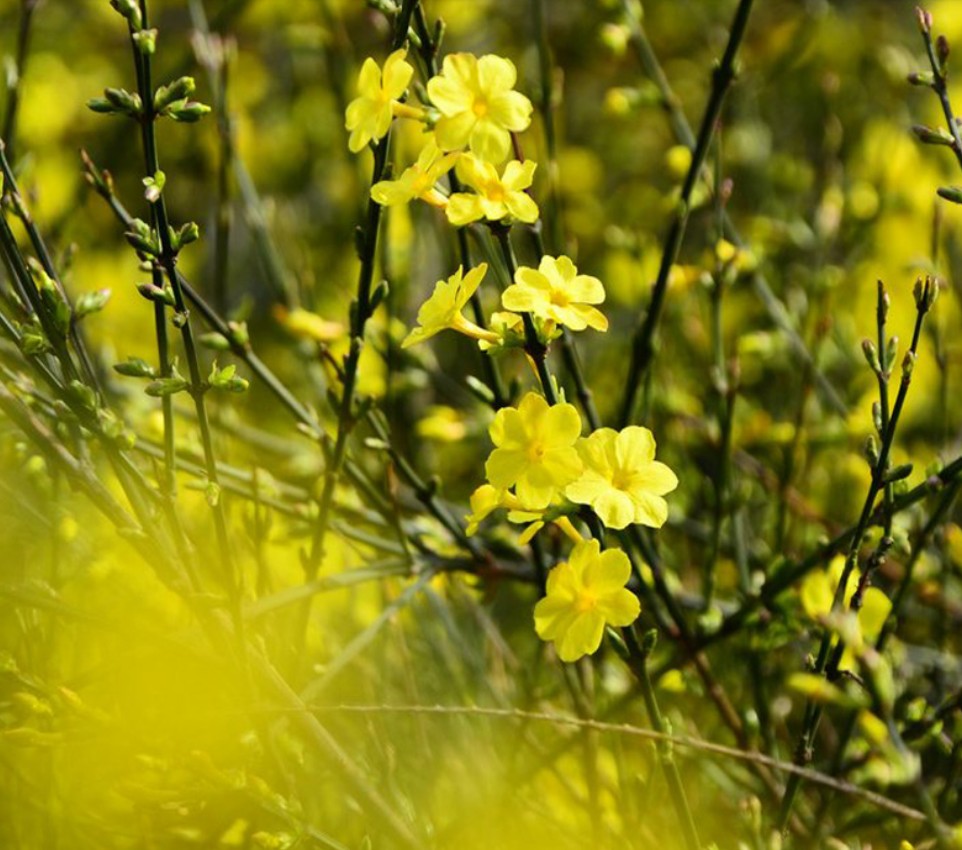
point(559, 297)
point(480, 107)
point(535, 452)
point(585, 602)
point(494, 191)
point(621, 479)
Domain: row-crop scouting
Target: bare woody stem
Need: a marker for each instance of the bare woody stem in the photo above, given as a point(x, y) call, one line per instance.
point(643, 340)
point(686, 136)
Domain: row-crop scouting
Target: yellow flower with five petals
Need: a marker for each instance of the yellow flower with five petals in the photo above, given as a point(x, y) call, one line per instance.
point(478, 105)
point(622, 481)
point(418, 181)
point(496, 197)
point(369, 115)
point(585, 593)
point(443, 309)
point(535, 451)
point(555, 292)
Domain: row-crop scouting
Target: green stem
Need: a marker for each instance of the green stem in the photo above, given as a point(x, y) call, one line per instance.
point(829, 657)
point(638, 663)
point(683, 133)
point(167, 261)
point(361, 313)
point(534, 347)
point(27, 8)
point(643, 341)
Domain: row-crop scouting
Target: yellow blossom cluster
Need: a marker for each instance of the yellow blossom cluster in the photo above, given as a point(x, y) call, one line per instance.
point(472, 111)
point(540, 453)
point(554, 294)
point(541, 469)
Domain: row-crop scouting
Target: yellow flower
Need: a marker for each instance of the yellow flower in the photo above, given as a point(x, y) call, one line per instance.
point(478, 105)
point(443, 309)
point(818, 591)
point(583, 594)
point(622, 481)
point(497, 197)
point(418, 180)
point(535, 450)
point(555, 292)
point(369, 115)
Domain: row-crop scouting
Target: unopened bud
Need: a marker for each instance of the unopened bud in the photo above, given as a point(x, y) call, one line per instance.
point(950, 193)
point(930, 136)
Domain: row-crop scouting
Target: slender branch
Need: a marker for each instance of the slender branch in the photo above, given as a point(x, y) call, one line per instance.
point(685, 135)
point(27, 8)
point(638, 663)
point(830, 651)
point(643, 340)
point(361, 312)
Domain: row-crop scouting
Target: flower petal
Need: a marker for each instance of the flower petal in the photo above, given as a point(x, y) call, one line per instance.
point(369, 80)
point(454, 131)
point(489, 140)
point(634, 447)
point(523, 208)
point(650, 510)
point(615, 508)
point(511, 110)
point(609, 572)
point(389, 193)
point(518, 175)
point(582, 637)
point(496, 74)
point(563, 424)
point(504, 466)
point(397, 74)
point(873, 613)
point(656, 478)
point(463, 208)
point(816, 594)
point(621, 608)
point(586, 289)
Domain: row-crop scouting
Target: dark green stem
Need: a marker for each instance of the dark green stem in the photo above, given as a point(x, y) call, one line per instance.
point(536, 350)
point(27, 8)
point(638, 662)
point(167, 261)
point(360, 314)
point(643, 341)
point(829, 657)
point(684, 134)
